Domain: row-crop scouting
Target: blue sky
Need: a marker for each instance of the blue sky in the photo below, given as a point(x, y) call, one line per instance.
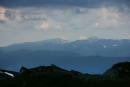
point(34, 20)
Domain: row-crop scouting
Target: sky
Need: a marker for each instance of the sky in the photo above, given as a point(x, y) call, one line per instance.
point(35, 20)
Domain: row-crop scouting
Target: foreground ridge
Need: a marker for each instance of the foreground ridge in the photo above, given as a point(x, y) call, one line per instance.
point(54, 76)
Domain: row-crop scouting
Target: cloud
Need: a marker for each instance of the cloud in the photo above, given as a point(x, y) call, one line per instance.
point(108, 17)
point(2, 10)
point(75, 22)
point(71, 18)
point(48, 25)
point(83, 37)
point(10, 15)
point(3, 18)
point(43, 25)
point(22, 9)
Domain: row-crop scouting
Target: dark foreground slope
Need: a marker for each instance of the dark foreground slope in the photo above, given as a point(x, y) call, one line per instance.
point(53, 76)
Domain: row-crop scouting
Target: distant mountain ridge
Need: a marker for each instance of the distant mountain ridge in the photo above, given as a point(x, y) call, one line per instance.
point(94, 53)
point(14, 60)
point(89, 47)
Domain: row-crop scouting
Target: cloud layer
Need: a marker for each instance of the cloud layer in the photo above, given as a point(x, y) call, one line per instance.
point(23, 21)
point(82, 3)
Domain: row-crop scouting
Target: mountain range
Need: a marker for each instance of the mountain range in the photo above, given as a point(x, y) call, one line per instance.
point(89, 47)
point(96, 54)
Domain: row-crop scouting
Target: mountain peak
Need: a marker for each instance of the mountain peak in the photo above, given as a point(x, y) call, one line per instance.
point(51, 68)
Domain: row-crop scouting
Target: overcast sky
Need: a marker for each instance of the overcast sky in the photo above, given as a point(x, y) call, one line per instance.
point(34, 20)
